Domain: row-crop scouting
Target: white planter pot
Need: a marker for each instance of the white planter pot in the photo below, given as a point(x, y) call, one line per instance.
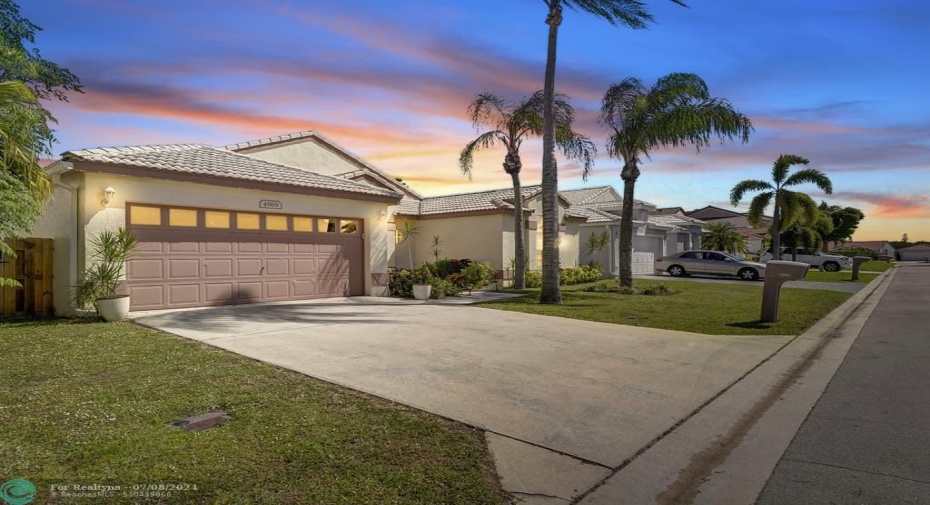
point(114, 309)
point(422, 291)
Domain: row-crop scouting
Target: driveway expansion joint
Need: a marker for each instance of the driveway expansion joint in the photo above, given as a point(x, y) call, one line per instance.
point(554, 451)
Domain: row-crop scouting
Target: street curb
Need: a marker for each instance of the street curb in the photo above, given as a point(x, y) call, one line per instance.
point(726, 451)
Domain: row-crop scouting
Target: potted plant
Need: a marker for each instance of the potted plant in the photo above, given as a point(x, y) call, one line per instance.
point(101, 285)
point(422, 283)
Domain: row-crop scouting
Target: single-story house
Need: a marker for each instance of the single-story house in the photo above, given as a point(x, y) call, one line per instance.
point(919, 252)
point(755, 235)
point(880, 247)
point(296, 217)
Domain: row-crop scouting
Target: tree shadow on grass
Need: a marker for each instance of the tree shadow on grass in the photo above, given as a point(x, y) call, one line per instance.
point(751, 325)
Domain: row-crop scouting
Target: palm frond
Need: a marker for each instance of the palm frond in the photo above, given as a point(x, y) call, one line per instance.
point(576, 147)
point(695, 124)
point(620, 100)
point(810, 175)
point(738, 191)
point(490, 110)
point(783, 164)
point(757, 207)
point(629, 13)
point(485, 140)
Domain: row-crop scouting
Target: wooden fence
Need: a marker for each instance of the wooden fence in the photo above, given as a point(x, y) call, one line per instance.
point(32, 268)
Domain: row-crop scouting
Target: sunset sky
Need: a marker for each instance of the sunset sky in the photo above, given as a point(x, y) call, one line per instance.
point(841, 82)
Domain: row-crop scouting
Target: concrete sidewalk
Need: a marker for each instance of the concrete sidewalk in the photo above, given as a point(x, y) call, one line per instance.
point(868, 438)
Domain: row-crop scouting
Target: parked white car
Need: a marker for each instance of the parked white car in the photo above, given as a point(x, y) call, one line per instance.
point(823, 261)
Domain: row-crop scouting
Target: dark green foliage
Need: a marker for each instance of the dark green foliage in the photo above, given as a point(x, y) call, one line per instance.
point(476, 276)
point(612, 287)
point(845, 222)
point(855, 251)
point(446, 267)
point(533, 279)
point(580, 275)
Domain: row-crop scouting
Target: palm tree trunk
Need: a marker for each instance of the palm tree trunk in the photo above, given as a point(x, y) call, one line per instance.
point(519, 245)
point(776, 231)
point(629, 175)
point(550, 293)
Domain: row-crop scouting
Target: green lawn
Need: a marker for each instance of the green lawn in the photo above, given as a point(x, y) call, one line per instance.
point(90, 403)
point(711, 308)
point(876, 266)
point(841, 276)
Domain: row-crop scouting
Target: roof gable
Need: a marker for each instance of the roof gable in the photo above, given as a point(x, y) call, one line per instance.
point(711, 212)
point(302, 144)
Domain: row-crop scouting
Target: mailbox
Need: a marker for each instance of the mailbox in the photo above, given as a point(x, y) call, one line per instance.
point(857, 261)
point(776, 274)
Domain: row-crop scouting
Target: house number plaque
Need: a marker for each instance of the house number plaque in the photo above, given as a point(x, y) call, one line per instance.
point(270, 204)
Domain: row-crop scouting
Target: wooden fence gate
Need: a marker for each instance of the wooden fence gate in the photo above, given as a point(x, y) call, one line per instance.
point(32, 268)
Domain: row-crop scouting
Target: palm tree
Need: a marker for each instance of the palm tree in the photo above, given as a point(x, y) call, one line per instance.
point(509, 124)
point(722, 236)
point(789, 206)
point(809, 229)
point(629, 13)
point(677, 111)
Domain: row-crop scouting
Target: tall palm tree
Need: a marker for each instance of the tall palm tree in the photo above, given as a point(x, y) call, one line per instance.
point(509, 124)
point(629, 13)
point(676, 111)
point(809, 229)
point(723, 236)
point(789, 206)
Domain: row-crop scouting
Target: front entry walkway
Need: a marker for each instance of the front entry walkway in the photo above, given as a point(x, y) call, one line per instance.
point(564, 401)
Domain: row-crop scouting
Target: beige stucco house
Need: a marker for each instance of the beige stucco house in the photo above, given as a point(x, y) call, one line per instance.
point(297, 217)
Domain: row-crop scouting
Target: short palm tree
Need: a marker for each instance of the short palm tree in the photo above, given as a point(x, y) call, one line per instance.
point(677, 111)
point(629, 13)
point(809, 228)
point(789, 206)
point(508, 124)
point(723, 236)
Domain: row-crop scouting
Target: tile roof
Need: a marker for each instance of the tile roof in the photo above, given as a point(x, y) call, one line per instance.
point(465, 202)
point(216, 162)
point(581, 196)
point(314, 134)
point(873, 245)
point(675, 220)
point(592, 215)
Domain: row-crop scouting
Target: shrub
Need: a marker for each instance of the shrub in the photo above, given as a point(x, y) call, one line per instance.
point(533, 279)
point(610, 287)
point(445, 267)
point(657, 290)
point(401, 284)
point(442, 288)
point(580, 275)
point(855, 251)
point(476, 275)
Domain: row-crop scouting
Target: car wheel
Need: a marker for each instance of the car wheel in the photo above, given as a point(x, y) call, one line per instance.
point(748, 274)
point(831, 266)
point(676, 270)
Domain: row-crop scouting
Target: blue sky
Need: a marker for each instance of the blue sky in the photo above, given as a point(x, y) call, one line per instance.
point(839, 82)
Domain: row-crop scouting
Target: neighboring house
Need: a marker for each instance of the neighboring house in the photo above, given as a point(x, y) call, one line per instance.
point(755, 235)
point(914, 253)
point(881, 247)
point(298, 217)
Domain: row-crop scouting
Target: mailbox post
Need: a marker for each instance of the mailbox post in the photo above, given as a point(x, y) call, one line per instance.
point(776, 274)
point(857, 262)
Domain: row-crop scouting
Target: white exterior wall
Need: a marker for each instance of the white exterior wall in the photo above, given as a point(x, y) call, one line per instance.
point(58, 222)
point(479, 238)
point(914, 255)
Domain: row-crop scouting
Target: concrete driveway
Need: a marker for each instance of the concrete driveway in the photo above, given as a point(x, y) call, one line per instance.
point(564, 401)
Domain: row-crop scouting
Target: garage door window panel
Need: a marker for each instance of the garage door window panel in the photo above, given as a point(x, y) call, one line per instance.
point(326, 225)
point(348, 226)
point(185, 218)
point(140, 215)
point(247, 221)
point(276, 223)
point(216, 219)
point(303, 224)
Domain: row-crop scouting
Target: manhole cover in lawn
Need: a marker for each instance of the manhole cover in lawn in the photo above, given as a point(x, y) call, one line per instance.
point(201, 422)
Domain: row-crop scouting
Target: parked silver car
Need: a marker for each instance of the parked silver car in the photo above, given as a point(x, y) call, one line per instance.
point(709, 263)
point(821, 260)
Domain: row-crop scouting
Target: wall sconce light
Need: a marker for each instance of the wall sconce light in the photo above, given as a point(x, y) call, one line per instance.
point(108, 195)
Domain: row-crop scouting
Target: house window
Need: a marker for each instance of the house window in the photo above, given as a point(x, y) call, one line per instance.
point(276, 223)
point(348, 226)
point(182, 217)
point(326, 225)
point(150, 216)
point(216, 219)
point(247, 221)
point(304, 224)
